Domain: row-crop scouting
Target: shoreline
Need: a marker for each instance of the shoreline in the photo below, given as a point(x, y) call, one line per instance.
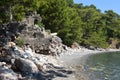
point(77, 57)
point(74, 54)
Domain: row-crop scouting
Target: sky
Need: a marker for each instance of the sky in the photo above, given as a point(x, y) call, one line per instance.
point(103, 5)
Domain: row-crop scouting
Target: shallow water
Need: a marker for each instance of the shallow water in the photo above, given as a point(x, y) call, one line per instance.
point(104, 66)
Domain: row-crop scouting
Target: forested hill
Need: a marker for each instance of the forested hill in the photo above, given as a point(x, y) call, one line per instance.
point(85, 25)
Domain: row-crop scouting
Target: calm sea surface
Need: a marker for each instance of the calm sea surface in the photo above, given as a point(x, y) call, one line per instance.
point(104, 66)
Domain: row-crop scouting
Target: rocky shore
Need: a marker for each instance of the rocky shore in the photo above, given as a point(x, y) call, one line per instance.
point(29, 52)
point(20, 64)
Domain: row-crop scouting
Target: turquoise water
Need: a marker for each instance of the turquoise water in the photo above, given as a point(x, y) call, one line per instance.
point(104, 66)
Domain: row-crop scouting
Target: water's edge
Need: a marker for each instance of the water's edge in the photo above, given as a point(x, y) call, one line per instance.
point(78, 60)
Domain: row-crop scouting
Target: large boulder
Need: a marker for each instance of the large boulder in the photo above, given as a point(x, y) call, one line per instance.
point(26, 65)
point(7, 74)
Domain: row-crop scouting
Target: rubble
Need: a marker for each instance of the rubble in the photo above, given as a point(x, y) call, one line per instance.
point(7, 74)
point(33, 56)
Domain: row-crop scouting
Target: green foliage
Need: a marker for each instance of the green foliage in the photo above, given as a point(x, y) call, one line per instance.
point(40, 24)
point(85, 25)
point(15, 10)
point(53, 14)
point(96, 40)
point(20, 42)
point(72, 30)
point(70, 3)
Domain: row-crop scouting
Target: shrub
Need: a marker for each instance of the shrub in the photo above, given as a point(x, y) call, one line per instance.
point(20, 42)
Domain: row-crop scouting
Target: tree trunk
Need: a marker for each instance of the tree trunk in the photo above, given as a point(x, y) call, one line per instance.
point(10, 14)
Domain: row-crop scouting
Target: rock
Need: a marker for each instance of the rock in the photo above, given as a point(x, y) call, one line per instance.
point(11, 44)
point(91, 48)
point(40, 66)
point(9, 32)
point(7, 74)
point(23, 61)
point(3, 40)
point(75, 45)
point(53, 34)
point(100, 49)
point(52, 46)
point(31, 18)
point(28, 50)
point(2, 63)
point(56, 39)
point(40, 35)
point(26, 65)
point(5, 56)
point(40, 61)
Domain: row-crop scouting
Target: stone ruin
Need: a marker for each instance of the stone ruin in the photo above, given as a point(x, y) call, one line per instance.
point(41, 41)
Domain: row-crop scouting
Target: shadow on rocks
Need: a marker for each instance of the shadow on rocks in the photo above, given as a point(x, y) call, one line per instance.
point(52, 72)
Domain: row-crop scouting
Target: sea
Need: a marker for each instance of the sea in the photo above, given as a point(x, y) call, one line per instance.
point(103, 66)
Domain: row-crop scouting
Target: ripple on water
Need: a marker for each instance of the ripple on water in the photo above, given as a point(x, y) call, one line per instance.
point(105, 66)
